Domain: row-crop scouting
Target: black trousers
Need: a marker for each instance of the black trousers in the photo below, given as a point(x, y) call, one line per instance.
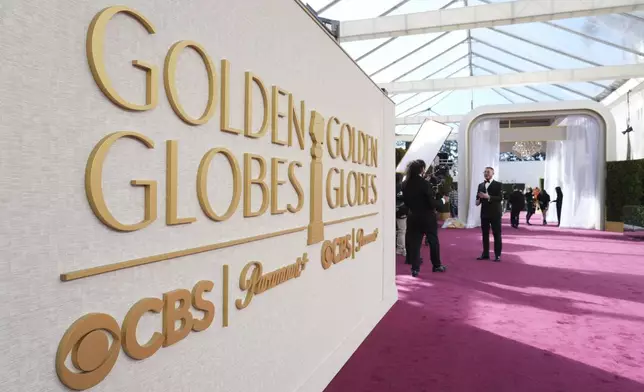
point(559, 213)
point(495, 223)
point(414, 241)
point(530, 213)
point(514, 217)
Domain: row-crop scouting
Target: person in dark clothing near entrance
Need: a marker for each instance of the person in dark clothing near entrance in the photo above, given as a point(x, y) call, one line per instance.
point(544, 203)
point(401, 217)
point(489, 196)
point(421, 217)
point(529, 203)
point(517, 204)
point(559, 203)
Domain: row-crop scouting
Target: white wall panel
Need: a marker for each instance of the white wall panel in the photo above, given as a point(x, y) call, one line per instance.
point(295, 336)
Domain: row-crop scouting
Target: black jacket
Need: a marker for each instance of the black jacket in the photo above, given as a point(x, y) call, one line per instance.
point(420, 200)
point(517, 201)
point(491, 208)
point(401, 208)
point(544, 199)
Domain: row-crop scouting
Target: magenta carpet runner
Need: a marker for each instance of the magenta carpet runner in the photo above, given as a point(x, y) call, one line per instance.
point(562, 312)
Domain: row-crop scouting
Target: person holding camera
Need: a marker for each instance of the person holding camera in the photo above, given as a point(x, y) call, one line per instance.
point(421, 218)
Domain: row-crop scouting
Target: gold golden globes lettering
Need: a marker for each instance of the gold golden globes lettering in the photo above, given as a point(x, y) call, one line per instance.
point(343, 188)
point(86, 341)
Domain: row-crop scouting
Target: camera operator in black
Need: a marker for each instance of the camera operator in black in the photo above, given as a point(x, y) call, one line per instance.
point(421, 219)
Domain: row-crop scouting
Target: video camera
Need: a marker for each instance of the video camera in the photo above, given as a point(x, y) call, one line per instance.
point(440, 169)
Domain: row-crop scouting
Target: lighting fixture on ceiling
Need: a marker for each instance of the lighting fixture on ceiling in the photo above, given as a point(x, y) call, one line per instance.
point(527, 149)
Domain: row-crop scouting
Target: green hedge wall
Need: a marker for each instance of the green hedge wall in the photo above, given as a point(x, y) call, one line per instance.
point(624, 186)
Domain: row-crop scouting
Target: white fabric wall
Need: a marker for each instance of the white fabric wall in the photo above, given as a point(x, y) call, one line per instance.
point(573, 164)
point(527, 173)
point(620, 113)
point(293, 337)
point(486, 136)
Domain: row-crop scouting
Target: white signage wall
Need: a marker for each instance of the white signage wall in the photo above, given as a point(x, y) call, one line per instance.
point(192, 197)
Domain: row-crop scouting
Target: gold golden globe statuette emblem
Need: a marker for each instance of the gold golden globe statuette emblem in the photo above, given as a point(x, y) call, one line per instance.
point(316, 225)
point(88, 343)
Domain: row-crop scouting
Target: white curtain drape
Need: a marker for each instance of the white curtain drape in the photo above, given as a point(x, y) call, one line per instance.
point(554, 173)
point(573, 164)
point(485, 148)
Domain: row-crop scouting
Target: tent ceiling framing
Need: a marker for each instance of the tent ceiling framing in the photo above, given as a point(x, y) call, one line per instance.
point(442, 58)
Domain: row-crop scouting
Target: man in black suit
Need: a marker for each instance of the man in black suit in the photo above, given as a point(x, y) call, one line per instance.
point(489, 196)
point(517, 204)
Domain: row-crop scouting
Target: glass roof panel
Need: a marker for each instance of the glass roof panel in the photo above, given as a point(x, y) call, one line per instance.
point(395, 50)
point(529, 47)
point(356, 49)
point(617, 29)
point(500, 55)
point(458, 102)
point(407, 129)
point(357, 9)
point(417, 59)
point(528, 50)
point(397, 98)
point(423, 102)
point(585, 88)
point(435, 67)
point(417, 102)
point(570, 43)
point(413, 6)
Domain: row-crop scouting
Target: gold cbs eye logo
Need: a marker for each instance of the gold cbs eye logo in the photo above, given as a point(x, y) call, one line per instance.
point(87, 341)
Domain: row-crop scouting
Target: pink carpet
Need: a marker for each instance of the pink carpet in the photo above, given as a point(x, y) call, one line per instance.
point(563, 312)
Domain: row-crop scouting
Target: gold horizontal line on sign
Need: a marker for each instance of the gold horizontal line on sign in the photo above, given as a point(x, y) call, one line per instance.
point(335, 222)
point(86, 273)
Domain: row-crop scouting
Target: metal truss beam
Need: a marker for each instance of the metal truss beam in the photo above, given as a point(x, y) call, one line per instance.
point(520, 71)
point(521, 79)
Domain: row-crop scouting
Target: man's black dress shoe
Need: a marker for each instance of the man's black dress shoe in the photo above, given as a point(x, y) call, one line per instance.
point(414, 273)
point(497, 259)
point(440, 268)
point(482, 257)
